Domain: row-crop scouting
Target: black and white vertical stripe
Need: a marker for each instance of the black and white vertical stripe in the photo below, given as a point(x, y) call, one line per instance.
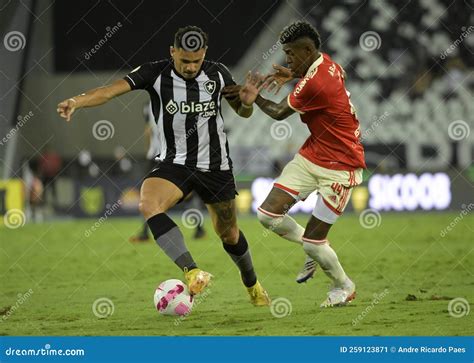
point(191, 139)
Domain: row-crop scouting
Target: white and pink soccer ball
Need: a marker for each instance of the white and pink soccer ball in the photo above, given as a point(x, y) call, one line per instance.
point(172, 297)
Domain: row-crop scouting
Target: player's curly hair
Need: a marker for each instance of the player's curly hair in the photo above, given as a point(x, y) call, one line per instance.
point(300, 29)
point(190, 38)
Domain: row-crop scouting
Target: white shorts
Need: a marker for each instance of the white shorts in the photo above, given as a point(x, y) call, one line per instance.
point(301, 177)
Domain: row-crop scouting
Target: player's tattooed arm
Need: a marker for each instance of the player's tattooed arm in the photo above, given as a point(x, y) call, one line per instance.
point(277, 111)
point(94, 97)
point(231, 94)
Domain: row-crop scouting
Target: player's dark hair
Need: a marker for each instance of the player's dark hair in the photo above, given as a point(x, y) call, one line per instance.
point(190, 38)
point(300, 29)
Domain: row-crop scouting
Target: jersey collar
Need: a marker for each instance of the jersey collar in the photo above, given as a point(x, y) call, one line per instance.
point(315, 65)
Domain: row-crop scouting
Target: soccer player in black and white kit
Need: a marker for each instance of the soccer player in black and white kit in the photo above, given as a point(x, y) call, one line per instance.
point(153, 152)
point(186, 95)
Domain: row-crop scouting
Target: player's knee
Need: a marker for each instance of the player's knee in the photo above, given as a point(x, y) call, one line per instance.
point(316, 230)
point(145, 208)
point(150, 208)
point(265, 219)
point(229, 235)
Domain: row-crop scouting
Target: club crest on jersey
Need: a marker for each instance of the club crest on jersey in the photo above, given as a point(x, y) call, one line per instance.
point(172, 107)
point(210, 86)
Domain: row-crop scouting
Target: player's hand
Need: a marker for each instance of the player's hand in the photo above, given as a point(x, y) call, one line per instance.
point(253, 85)
point(66, 108)
point(275, 81)
point(231, 92)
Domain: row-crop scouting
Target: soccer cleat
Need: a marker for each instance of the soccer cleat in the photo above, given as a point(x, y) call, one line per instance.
point(197, 280)
point(308, 270)
point(258, 295)
point(340, 296)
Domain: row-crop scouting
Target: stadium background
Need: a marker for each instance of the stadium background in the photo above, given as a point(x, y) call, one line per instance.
point(409, 67)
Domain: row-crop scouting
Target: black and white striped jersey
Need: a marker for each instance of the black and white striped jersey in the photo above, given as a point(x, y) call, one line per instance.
point(187, 113)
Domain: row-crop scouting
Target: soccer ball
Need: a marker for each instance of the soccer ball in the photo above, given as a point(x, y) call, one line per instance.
point(172, 297)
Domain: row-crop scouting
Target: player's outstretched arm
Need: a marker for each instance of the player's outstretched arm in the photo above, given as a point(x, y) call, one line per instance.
point(277, 111)
point(249, 94)
point(275, 81)
point(94, 97)
point(231, 94)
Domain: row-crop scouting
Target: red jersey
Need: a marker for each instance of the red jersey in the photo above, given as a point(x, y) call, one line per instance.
point(323, 103)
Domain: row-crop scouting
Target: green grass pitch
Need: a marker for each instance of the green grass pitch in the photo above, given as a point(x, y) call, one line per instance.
point(406, 255)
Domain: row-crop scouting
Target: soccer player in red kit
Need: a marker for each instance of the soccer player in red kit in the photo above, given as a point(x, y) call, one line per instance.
point(331, 160)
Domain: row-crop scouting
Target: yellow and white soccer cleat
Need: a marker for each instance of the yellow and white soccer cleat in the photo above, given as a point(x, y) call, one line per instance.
point(197, 280)
point(258, 295)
